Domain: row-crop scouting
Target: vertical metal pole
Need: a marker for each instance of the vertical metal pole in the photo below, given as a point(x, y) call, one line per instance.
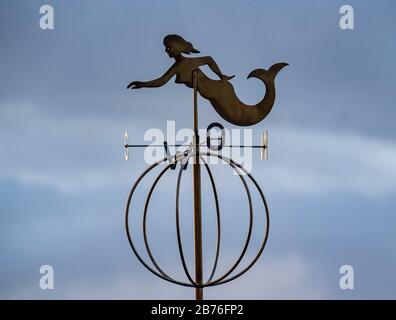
point(197, 197)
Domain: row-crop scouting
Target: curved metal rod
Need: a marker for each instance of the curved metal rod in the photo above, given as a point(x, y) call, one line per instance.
point(145, 219)
point(128, 233)
point(239, 259)
point(180, 243)
point(217, 219)
point(179, 240)
point(214, 283)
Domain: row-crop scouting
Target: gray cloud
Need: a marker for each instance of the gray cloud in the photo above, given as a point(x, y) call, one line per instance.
point(330, 179)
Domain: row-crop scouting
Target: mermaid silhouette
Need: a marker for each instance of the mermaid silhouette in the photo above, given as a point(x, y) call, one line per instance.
point(220, 93)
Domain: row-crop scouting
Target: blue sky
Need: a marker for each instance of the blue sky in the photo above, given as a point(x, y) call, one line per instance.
point(330, 180)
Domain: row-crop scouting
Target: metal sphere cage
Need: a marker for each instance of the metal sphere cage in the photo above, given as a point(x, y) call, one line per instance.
point(183, 159)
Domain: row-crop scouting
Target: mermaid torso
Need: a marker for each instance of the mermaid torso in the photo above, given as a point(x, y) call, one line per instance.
point(184, 70)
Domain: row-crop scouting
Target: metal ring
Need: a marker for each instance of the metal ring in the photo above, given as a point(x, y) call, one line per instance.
point(180, 243)
point(266, 229)
point(217, 219)
point(145, 219)
point(178, 233)
point(129, 236)
point(218, 281)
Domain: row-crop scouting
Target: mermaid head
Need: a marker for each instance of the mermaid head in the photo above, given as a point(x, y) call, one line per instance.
point(175, 45)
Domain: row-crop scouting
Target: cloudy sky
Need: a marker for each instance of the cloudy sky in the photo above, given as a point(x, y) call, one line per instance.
point(330, 180)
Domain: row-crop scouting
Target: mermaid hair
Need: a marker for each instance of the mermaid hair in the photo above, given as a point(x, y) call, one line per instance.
point(178, 42)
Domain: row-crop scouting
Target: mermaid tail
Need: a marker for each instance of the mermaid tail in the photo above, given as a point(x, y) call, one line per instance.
point(222, 96)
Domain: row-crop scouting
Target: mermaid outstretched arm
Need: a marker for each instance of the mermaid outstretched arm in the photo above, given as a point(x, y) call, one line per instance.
point(156, 82)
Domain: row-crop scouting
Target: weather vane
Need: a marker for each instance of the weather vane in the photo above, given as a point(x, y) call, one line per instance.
point(222, 97)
